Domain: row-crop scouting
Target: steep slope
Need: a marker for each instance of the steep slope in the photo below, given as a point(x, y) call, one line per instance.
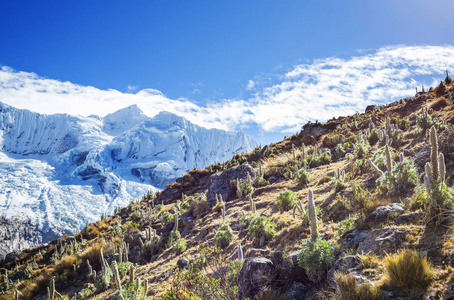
point(52, 167)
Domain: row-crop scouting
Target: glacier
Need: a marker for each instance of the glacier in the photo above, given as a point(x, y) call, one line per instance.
point(59, 172)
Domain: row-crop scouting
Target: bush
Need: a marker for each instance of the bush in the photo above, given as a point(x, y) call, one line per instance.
point(338, 185)
point(179, 246)
point(316, 257)
point(373, 136)
point(361, 150)
point(223, 237)
point(103, 278)
point(439, 200)
point(246, 189)
point(167, 217)
point(259, 181)
point(320, 160)
point(406, 269)
point(123, 269)
point(262, 227)
point(331, 140)
point(286, 200)
point(148, 250)
point(349, 289)
point(303, 176)
point(402, 178)
point(345, 225)
point(360, 166)
point(247, 218)
point(339, 151)
point(233, 270)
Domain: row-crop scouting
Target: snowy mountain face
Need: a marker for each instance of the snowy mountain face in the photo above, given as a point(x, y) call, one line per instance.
point(58, 172)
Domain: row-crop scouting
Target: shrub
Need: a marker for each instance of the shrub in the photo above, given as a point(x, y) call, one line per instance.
point(401, 179)
point(324, 179)
point(103, 278)
point(303, 176)
point(233, 270)
point(424, 121)
point(286, 200)
point(247, 218)
point(379, 158)
point(345, 225)
point(262, 227)
point(85, 293)
point(223, 237)
point(338, 185)
point(259, 181)
point(123, 269)
point(316, 257)
point(361, 150)
point(331, 140)
point(167, 217)
point(351, 140)
point(440, 199)
point(360, 166)
point(179, 246)
point(406, 269)
point(349, 289)
point(65, 264)
point(320, 160)
point(148, 250)
point(339, 151)
point(373, 136)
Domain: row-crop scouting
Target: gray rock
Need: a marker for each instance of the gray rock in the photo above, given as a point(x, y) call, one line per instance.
point(408, 218)
point(220, 183)
point(255, 275)
point(353, 237)
point(382, 213)
point(383, 240)
point(140, 236)
point(346, 264)
point(182, 263)
point(298, 273)
point(422, 156)
point(297, 291)
point(283, 265)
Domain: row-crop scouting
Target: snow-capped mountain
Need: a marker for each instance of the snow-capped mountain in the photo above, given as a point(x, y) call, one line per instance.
point(58, 172)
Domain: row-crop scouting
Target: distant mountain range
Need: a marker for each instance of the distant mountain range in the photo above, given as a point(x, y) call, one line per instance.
point(58, 172)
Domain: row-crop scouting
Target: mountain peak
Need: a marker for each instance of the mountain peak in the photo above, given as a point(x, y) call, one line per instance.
point(124, 119)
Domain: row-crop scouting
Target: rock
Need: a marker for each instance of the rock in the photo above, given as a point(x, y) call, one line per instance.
point(346, 264)
point(422, 156)
point(140, 236)
point(284, 267)
point(370, 108)
point(256, 251)
point(186, 219)
point(382, 213)
point(296, 292)
point(382, 240)
point(220, 183)
point(408, 218)
point(256, 273)
point(182, 263)
point(298, 273)
point(353, 237)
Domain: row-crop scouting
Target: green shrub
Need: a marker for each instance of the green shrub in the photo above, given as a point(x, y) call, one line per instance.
point(361, 150)
point(320, 160)
point(316, 257)
point(246, 188)
point(402, 178)
point(303, 176)
point(331, 140)
point(360, 166)
point(439, 201)
point(262, 227)
point(167, 217)
point(148, 249)
point(406, 269)
point(259, 181)
point(123, 269)
point(339, 151)
point(349, 289)
point(233, 270)
point(379, 157)
point(84, 293)
point(129, 291)
point(373, 136)
point(247, 218)
point(338, 185)
point(286, 200)
point(224, 236)
point(103, 278)
point(345, 225)
point(179, 246)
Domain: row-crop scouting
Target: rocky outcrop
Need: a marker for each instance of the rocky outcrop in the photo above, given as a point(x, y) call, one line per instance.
point(220, 184)
point(346, 265)
point(257, 273)
point(382, 241)
point(17, 235)
point(383, 213)
point(353, 237)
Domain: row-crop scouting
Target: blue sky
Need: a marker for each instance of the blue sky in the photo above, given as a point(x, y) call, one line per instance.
point(219, 56)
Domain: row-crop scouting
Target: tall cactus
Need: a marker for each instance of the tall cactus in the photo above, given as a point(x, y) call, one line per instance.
point(312, 216)
point(116, 275)
point(388, 158)
point(131, 273)
point(240, 252)
point(434, 152)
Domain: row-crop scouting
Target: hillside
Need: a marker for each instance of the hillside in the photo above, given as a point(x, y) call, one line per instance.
point(52, 167)
point(383, 216)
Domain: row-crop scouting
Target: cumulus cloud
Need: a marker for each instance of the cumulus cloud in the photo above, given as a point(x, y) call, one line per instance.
point(320, 90)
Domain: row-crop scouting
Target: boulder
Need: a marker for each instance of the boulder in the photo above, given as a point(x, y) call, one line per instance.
point(284, 267)
point(296, 292)
point(255, 275)
point(183, 263)
point(220, 183)
point(353, 237)
point(408, 218)
point(381, 241)
point(346, 264)
point(382, 213)
point(298, 273)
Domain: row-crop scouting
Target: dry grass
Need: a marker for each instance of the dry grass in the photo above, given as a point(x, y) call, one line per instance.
point(92, 254)
point(406, 269)
point(350, 289)
point(66, 264)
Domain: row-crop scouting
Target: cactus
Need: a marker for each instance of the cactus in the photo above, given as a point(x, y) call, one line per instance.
point(388, 158)
point(251, 202)
point(131, 273)
point(298, 206)
point(434, 152)
point(138, 285)
point(238, 188)
point(223, 213)
point(441, 168)
point(249, 179)
point(303, 150)
point(16, 295)
point(427, 184)
point(401, 157)
point(374, 166)
point(240, 252)
point(101, 256)
point(254, 209)
point(428, 170)
point(145, 292)
point(51, 289)
point(176, 222)
point(293, 152)
point(312, 216)
point(116, 275)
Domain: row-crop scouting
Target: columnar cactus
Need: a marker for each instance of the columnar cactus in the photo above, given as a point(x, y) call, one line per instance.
point(240, 252)
point(145, 288)
point(293, 152)
point(131, 273)
point(176, 222)
point(298, 206)
point(249, 179)
point(312, 216)
point(388, 158)
point(374, 166)
point(434, 152)
point(116, 275)
point(51, 289)
point(238, 188)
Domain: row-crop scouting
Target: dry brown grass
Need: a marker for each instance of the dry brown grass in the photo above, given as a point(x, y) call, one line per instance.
point(66, 264)
point(92, 254)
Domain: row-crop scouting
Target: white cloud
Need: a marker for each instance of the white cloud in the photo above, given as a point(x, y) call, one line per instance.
point(318, 90)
